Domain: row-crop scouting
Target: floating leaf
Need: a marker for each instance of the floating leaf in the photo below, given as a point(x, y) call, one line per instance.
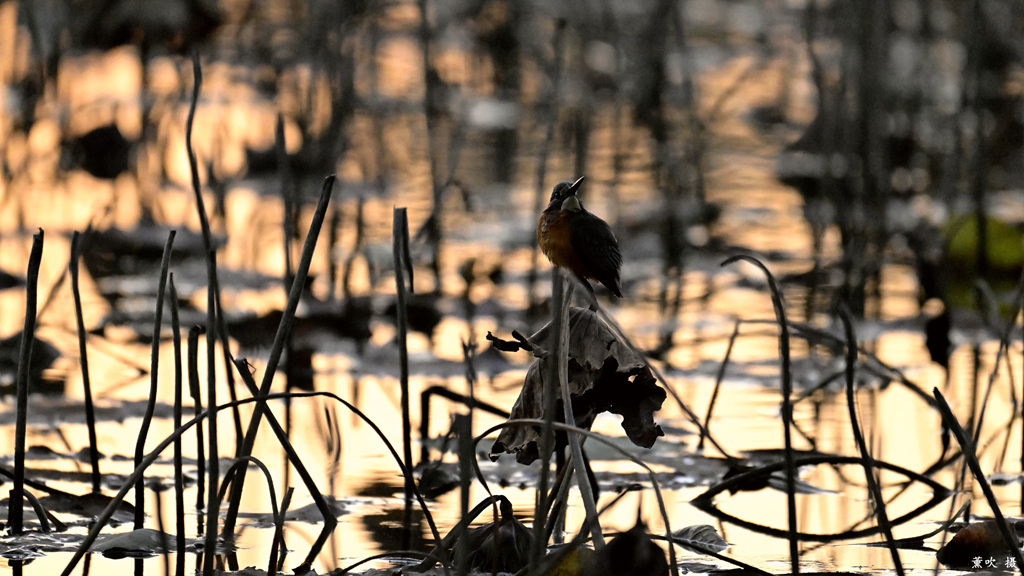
point(90, 504)
point(700, 538)
point(309, 514)
point(139, 543)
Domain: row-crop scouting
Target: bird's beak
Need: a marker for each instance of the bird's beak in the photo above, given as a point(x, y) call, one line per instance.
point(575, 186)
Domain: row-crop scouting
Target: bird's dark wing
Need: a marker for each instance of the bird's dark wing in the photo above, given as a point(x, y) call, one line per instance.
point(598, 250)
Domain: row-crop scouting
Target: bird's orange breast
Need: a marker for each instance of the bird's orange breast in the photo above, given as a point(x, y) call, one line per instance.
point(555, 241)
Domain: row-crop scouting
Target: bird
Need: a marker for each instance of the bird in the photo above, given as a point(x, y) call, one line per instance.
point(578, 241)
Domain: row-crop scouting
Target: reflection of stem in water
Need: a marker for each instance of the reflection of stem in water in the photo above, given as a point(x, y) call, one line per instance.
point(287, 233)
point(671, 171)
point(334, 464)
point(288, 198)
point(179, 473)
point(164, 548)
point(292, 457)
point(197, 403)
point(329, 520)
point(694, 151)
point(346, 285)
point(373, 34)
point(403, 263)
point(333, 248)
point(979, 160)
point(434, 226)
point(875, 162)
point(581, 125)
point(469, 306)
point(278, 550)
point(705, 431)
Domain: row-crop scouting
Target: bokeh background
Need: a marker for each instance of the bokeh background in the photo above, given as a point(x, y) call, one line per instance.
point(870, 153)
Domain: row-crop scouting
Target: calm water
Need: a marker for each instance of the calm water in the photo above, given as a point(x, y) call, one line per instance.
point(386, 166)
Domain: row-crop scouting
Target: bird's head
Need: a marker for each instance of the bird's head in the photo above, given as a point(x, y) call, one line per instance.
point(564, 196)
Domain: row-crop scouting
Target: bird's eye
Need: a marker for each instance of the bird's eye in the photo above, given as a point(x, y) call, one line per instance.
point(559, 192)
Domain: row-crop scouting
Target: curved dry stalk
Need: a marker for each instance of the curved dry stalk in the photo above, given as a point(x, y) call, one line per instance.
point(90, 412)
point(274, 511)
point(154, 377)
point(869, 473)
point(787, 406)
point(211, 315)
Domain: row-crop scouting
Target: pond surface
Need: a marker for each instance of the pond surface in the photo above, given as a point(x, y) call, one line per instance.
point(684, 312)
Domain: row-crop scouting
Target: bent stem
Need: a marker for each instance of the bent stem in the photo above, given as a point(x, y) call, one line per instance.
point(869, 474)
point(786, 377)
point(154, 373)
point(83, 355)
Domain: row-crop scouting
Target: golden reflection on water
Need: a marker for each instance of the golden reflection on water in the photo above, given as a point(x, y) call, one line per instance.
point(759, 215)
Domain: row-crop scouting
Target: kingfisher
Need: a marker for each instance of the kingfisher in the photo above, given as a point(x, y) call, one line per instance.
point(578, 241)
